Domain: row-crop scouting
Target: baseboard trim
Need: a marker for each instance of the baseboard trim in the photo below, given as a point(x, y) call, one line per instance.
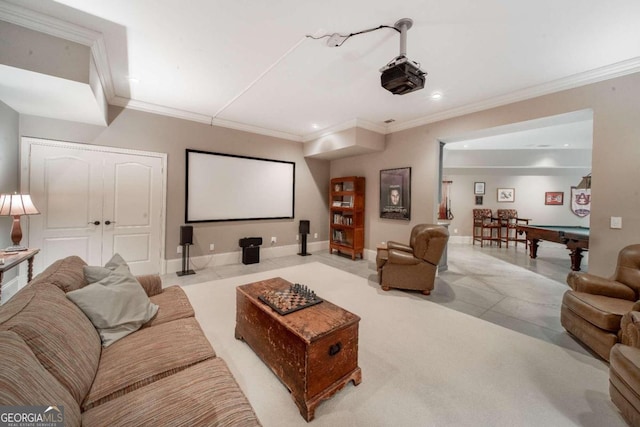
point(9, 289)
point(228, 258)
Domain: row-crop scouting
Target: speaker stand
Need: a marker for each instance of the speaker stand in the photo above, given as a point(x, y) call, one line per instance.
point(304, 246)
point(185, 261)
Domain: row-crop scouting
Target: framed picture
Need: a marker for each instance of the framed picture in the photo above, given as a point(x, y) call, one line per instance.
point(506, 194)
point(554, 198)
point(395, 193)
point(478, 188)
point(479, 200)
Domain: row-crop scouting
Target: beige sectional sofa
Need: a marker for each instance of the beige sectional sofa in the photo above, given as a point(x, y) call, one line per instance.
point(166, 373)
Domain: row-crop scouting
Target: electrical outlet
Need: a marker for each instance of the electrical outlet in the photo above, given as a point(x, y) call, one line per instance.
point(212, 247)
point(297, 237)
point(179, 250)
point(273, 240)
point(315, 235)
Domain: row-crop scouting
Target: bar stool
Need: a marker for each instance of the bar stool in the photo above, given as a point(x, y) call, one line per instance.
point(486, 227)
point(509, 221)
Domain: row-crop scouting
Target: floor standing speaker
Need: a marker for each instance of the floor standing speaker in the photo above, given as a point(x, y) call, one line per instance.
point(186, 235)
point(303, 228)
point(186, 240)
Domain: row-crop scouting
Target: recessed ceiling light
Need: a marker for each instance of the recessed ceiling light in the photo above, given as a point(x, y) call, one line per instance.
point(315, 125)
point(566, 145)
point(436, 95)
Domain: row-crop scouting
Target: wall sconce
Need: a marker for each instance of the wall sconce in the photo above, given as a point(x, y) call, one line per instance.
point(16, 205)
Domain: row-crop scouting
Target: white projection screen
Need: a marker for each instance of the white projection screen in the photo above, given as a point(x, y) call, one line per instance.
point(225, 187)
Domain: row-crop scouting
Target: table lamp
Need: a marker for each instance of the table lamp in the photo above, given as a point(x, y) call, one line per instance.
point(16, 205)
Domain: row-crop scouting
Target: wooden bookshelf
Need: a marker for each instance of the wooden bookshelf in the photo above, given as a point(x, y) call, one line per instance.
point(346, 207)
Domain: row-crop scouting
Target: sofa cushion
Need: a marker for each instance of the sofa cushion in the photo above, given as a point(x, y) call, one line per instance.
point(172, 304)
point(146, 356)
point(59, 334)
point(23, 380)
point(603, 312)
point(116, 304)
point(205, 394)
point(94, 274)
point(66, 273)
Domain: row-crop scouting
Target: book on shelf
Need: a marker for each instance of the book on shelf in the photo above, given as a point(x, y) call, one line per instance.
point(339, 219)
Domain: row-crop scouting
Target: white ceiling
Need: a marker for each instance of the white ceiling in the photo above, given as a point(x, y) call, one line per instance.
point(248, 65)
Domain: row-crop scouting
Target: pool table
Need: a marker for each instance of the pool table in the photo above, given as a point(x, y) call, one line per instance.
point(575, 237)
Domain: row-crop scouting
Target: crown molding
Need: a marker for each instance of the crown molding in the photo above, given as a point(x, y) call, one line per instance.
point(65, 30)
point(120, 101)
point(100, 58)
point(199, 118)
point(47, 24)
point(607, 72)
point(255, 129)
point(353, 123)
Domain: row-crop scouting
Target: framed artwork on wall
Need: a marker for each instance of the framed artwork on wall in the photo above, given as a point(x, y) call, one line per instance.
point(478, 188)
point(554, 198)
point(479, 200)
point(395, 193)
point(506, 195)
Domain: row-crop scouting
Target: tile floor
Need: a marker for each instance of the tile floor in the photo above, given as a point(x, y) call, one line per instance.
point(499, 285)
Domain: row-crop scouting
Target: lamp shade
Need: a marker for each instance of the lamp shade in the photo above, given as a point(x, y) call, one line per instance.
point(16, 205)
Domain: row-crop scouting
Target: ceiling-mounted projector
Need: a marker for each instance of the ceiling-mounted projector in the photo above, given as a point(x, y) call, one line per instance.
point(402, 75)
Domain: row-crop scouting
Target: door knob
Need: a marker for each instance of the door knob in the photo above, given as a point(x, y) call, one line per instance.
point(107, 222)
point(94, 223)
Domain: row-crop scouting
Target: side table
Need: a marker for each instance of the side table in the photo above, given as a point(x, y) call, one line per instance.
point(11, 259)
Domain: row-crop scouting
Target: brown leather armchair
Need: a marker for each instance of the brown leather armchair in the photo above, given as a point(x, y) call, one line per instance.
point(414, 266)
point(593, 308)
point(624, 369)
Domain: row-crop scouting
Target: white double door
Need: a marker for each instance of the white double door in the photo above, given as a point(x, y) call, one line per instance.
point(94, 203)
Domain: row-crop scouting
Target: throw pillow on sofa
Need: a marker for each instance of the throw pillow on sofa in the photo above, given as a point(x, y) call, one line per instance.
point(114, 301)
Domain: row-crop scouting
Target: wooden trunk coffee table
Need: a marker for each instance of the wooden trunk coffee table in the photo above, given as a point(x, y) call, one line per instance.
point(313, 351)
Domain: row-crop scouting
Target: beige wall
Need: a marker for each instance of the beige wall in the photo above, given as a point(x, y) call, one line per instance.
point(616, 155)
point(616, 152)
point(8, 171)
point(529, 198)
point(149, 132)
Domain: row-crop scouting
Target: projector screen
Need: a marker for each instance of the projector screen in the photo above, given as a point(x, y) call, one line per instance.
point(224, 187)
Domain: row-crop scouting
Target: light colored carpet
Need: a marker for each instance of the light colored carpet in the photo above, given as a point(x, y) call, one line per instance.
point(422, 364)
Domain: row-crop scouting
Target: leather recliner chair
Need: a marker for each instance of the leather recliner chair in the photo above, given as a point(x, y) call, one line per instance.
point(414, 266)
point(593, 308)
point(624, 369)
